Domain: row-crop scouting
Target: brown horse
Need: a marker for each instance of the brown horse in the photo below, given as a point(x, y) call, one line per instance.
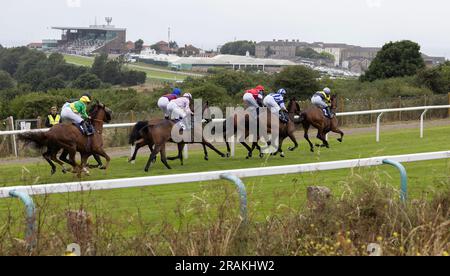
point(313, 116)
point(158, 133)
point(285, 130)
point(69, 138)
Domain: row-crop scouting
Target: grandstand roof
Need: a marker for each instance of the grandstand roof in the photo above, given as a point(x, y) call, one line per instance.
point(96, 28)
point(232, 59)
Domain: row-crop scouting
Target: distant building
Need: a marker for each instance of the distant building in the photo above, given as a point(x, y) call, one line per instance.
point(130, 46)
point(433, 61)
point(188, 50)
point(35, 46)
point(278, 49)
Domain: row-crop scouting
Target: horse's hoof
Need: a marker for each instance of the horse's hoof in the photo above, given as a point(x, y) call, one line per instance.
point(340, 140)
point(248, 157)
point(53, 171)
point(64, 171)
point(224, 155)
point(228, 155)
point(132, 162)
point(146, 170)
point(206, 158)
point(102, 168)
point(261, 155)
point(312, 150)
point(282, 154)
point(291, 149)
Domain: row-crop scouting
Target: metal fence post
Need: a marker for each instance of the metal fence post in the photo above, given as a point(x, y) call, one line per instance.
point(14, 141)
point(242, 193)
point(378, 126)
point(403, 178)
point(30, 236)
point(421, 122)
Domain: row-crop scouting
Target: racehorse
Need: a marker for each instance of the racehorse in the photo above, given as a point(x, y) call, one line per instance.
point(70, 138)
point(156, 133)
point(313, 116)
point(285, 130)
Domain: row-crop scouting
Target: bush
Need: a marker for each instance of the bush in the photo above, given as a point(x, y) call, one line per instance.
point(133, 77)
point(437, 79)
point(6, 81)
point(35, 104)
point(300, 81)
point(215, 95)
point(87, 81)
point(53, 83)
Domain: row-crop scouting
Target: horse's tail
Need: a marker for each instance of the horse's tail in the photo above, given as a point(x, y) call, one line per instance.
point(38, 140)
point(135, 133)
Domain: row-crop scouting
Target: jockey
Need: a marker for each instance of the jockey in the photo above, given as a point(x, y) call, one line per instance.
point(322, 99)
point(253, 97)
point(164, 101)
point(275, 102)
point(179, 109)
point(76, 113)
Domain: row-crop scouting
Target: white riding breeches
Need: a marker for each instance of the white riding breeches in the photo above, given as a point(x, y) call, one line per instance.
point(270, 102)
point(318, 101)
point(162, 104)
point(175, 111)
point(68, 114)
point(250, 100)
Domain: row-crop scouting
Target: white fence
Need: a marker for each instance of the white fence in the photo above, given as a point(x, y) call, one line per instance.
point(24, 192)
point(380, 113)
point(216, 175)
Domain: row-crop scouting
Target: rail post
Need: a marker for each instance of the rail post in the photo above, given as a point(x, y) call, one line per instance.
point(14, 141)
point(403, 178)
point(378, 126)
point(30, 235)
point(421, 122)
point(242, 193)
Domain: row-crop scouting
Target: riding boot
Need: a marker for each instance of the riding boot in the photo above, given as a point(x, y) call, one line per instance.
point(87, 130)
point(329, 113)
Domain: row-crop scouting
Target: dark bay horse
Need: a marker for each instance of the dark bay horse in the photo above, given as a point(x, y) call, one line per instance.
point(68, 137)
point(285, 130)
point(158, 133)
point(313, 116)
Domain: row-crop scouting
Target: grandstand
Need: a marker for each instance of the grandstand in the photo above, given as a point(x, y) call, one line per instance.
point(86, 41)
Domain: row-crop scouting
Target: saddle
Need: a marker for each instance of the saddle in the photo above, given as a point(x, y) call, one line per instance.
point(86, 131)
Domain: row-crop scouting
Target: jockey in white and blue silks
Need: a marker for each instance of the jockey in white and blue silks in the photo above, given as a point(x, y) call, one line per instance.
point(275, 101)
point(322, 99)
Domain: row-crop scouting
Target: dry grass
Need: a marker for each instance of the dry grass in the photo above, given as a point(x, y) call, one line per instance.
point(367, 211)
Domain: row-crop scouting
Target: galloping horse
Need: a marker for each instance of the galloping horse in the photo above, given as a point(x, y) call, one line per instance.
point(285, 130)
point(69, 138)
point(313, 116)
point(156, 133)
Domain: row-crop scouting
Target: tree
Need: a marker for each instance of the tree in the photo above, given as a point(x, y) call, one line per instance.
point(87, 81)
point(138, 45)
point(215, 95)
point(299, 81)
point(6, 81)
point(133, 77)
point(98, 67)
point(34, 78)
point(112, 72)
point(53, 83)
point(173, 45)
point(239, 48)
point(396, 59)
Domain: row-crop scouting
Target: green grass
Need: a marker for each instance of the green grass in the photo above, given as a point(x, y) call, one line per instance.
point(265, 193)
point(151, 74)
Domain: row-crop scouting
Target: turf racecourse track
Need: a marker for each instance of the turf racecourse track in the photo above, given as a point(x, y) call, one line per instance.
point(265, 194)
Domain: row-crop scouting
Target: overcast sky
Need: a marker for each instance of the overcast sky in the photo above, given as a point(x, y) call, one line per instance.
point(208, 23)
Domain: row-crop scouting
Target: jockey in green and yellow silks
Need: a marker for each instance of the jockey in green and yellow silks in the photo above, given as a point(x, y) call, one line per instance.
point(76, 112)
